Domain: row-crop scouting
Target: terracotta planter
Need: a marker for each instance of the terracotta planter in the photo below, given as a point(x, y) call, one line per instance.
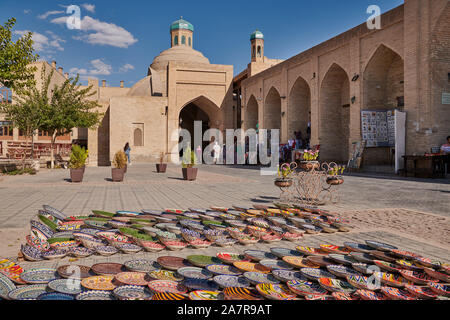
point(335, 180)
point(283, 183)
point(76, 175)
point(190, 174)
point(309, 165)
point(117, 174)
point(161, 167)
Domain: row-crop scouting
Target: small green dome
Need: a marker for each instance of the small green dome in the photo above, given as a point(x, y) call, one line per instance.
point(256, 35)
point(181, 24)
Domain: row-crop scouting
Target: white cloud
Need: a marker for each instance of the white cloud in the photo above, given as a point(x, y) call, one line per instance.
point(27, 11)
point(97, 67)
point(126, 67)
point(42, 43)
point(89, 7)
point(102, 33)
point(49, 13)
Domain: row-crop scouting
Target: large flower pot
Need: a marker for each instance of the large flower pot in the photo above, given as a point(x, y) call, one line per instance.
point(189, 174)
point(117, 174)
point(161, 167)
point(283, 183)
point(76, 175)
point(309, 165)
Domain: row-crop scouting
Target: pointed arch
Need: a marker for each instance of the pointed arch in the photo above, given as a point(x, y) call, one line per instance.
point(251, 113)
point(272, 110)
point(299, 107)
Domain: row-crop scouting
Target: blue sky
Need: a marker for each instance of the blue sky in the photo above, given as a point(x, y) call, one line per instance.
point(119, 39)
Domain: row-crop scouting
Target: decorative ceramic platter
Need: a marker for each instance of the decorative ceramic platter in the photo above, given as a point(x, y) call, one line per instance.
point(158, 286)
point(320, 261)
point(275, 292)
point(299, 262)
point(276, 264)
point(336, 285)
point(230, 258)
point(342, 271)
point(195, 273)
point(173, 263)
point(202, 261)
point(309, 251)
point(315, 297)
point(343, 259)
point(438, 275)
point(353, 246)
point(31, 253)
point(344, 296)
point(397, 294)
point(206, 295)
point(418, 277)
point(95, 295)
point(168, 296)
point(258, 277)
point(362, 257)
point(6, 285)
point(258, 255)
point(133, 278)
point(370, 295)
point(106, 250)
point(39, 276)
point(54, 212)
point(284, 252)
point(238, 293)
point(385, 256)
point(132, 292)
point(303, 288)
point(165, 275)
point(251, 267)
point(315, 274)
point(99, 283)
point(67, 286)
point(55, 296)
point(380, 246)
point(142, 265)
point(387, 266)
point(11, 270)
point(287, 275)
point(200, 284)
point(221, 269)
point(81, 252)
point(392, 280)
point(334, 249)
point(231, 281)
point(414, 266)
point(74, 272)
point(362, 282)
point(440, 289)
point(107, 268)
point(421, 292)
point(405, 254)
point(27, 292)
point(427, 262)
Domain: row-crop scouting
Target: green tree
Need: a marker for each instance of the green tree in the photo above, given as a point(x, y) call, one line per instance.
point(15, 58)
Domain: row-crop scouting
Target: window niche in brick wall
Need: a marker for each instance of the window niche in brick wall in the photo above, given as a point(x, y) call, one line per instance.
point(138, 134)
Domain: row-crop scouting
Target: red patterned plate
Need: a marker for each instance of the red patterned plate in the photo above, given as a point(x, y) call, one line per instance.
point(387, 266)
point(417, 277)
point(334, 249)
point(11, 270)
point(108, 268)
point(133, 278)
point(421, 292)
point(344, 296)
point(397, 294)
point(167, 286)
point(173, 263)
point(405, 254)
point(438, 275)
point(309, 251)
point(370, 295)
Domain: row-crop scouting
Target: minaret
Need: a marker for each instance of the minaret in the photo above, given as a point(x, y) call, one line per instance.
point(182, 33)
point(257, 46)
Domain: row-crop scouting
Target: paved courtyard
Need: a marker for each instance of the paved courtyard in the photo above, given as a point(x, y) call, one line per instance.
point(412, 214)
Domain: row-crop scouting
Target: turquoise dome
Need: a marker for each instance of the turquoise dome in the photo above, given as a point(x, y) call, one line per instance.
point(181, 24)
point(256, 35)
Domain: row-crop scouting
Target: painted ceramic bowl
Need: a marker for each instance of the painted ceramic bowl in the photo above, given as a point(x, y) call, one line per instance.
point(128, 247)
point(169, 296)
point(225, 281)
point(438, 275)
point(384, 256)
point(248, 240)
point(229, 258)
point(270, 238)
point(365, 268)
point(362, 257)
point(380, 246)
point(284, 252)
point(418, 277)
point(409, 265)
point(421, 292)
point(304, 288)
point(430, 263)
point(95, 295)
point(287, 275)
point(30, 292)
point(67, 286)
point(195, 273)
point(206, 295)
point(200, 284)
point(293, 237)
point(81, 252)
point(363, 283)
point(131, 292)
point(275, 292)
point(342, 271)
point(6, 285)
point(106, 269)
point(165, 275)
point(36, 242)
point(152, 246)
point(106, 250)
point(173, 263)
point(175, 245)
point(167, 286)
point(239, 293)
point(257, 277)
point(320, 261)
point(142, 265)
point(55, 296)
point(276, 264)
point(250, 267)
point(397, 294)
point(200, 244)
point(225, 242)
point(31, 253)
point(132, 278)
point(220, 269)
point(310, 251)
point(76, 272)
point(39, 275)
point(440, 289)
point(315, 274)
point(299, 262)
point(113, 237)
point(387, 266)
point(258, 255)
point(342, 259)
point(101, 283)
point(336, 285)
point(370, 295)
point(334, 249)
point(357, 247)
point(392, 279)
point(344, 296)
point(405, 254)
point(54, 254)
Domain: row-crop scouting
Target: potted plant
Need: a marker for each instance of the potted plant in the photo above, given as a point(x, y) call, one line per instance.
point(119, 162)
point(309, 160)
point(334, 175)
point(77, 163)
point(284, 180)
point(161, 166)
point(188, 163)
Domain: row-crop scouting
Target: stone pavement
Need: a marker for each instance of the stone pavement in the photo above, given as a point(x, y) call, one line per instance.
point(143, 188)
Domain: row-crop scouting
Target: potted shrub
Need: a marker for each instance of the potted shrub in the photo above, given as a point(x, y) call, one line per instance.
point(284, 180)
point(189, 161)
point(161, 166)
point(334, 175)
point(119, 162)
point(77, 163)
point(309, 160)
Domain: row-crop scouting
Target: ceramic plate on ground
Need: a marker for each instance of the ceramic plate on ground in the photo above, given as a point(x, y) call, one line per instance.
point(251, 267)
point(39, 276)
point(173, 263)
point(168, 296)
point(304, 288)
point(418, 277)
point(222, 269)
point(320, 261)
point(414, 266)
point(231, 281)
point(99, 283)
point(315, 274)
point(106, 250)
point(167, 286)
point(54, 212)
point(67, 286)
point(75, 272)
point(142, 265)
point(202, 261)
point(362, 282)
point(334, 249)
point(206, 295)
point(384, 256)
point(309, 251)
point(430, 263)
point(258, 255)
point(275, 292)
point(133, 278)
point(353, 246)
point(132, 292)
point(421, 292)
point(438, 275)
point(285, 252)
point(165, 275)
point(95, 295)
point(228, 257)
point(81, 252)
point(344, 296)
point(440, 289)
point(128, 247)
point(55, 296)
point(387, 266)
point(276, 264)
point(365, 268)
point(392, 280)
point(6, 285)
point(405, 254)
point(343, 259)
point(200, 284)
point(258, 277)
point(336, 285)
point(287, 275)
point(195, 273)
point(27, 292)
point(299, 262)
point(380, 246)
point(238, 293)
point(362, 257)
point(370, 295)
point(31, 253)
point(397, 294)
point(342, 271)
point(107, 268)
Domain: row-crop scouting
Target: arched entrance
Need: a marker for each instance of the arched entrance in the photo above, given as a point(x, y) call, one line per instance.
point(251, 113)
point(272, 110)
point(383, 82)
point(334, 115)
point(299, 108)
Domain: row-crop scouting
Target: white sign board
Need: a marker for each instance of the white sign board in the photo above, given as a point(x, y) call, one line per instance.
point(445, 97)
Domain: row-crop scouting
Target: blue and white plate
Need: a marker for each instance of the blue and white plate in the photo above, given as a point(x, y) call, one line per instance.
point(27, 292)
point(256, 278)
point(275, 264)
point(285, 252)
point(132, 292)
point(81, 252)
point(95, 295)
point(223, 269)
point(314, 274)
point(39, 276)
point(142, 265)
point(31, 253)
point(358, 247)
point(6, 286)
point(288, 275)
point(343, 259)
point(55, 296)
point(128, 247)
point(106, 250)
point(195, 273)
point(231, 281)
point(342, 271)
point(42, 228)
point(258, 255)
point(67, 286)
point(54, 254)
point(201, 284)
point(55, 212)
point(380, 246)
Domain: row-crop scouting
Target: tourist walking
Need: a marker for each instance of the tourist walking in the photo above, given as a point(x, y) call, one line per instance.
point(217, 149)
point(198, 151)
point(127, 150)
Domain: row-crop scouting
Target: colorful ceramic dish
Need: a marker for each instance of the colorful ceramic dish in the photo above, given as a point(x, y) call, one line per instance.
point(104, 269)
point(106, 250)
point(405, 254)
point(258, 277)
point(320, 261)
point(132, 293)
point(370, 295)
point(299, 262)
point(95, 295)
point(334, 249)
point(167, 286)
point(421, 292)
point(275, 264)
point(76, 272)
point(206, 295)
point(6, 285)
point(440, 289)
point(81, 252)
point(27, 292)
point(392, 279)
point(382, 255)
point(39, 275)
point(275, 292)
point(229, 258)
point(133, 278)
point(142, 265)
point(397, 294)
point(31, 253)
point(362, 282)
point(165, 275)
point(357, 247)
point(304, 288)
point(315, 274)
point(239, 293)
point(200, 284)
point(195, 273)
point(221, 269)
point(55, 296)
point(380, 246)
point(309, 251)
point(284, 252)
point(231, 281)
point(67, 286)
point(418, 277)
point(387, 266)
point(342, 271)
point(336, 285)
point(102, 283)
point(287, 275)
point(250, 267)
point(202, 261)
point(257, 255)
point(362, 257)
point(173, 263)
